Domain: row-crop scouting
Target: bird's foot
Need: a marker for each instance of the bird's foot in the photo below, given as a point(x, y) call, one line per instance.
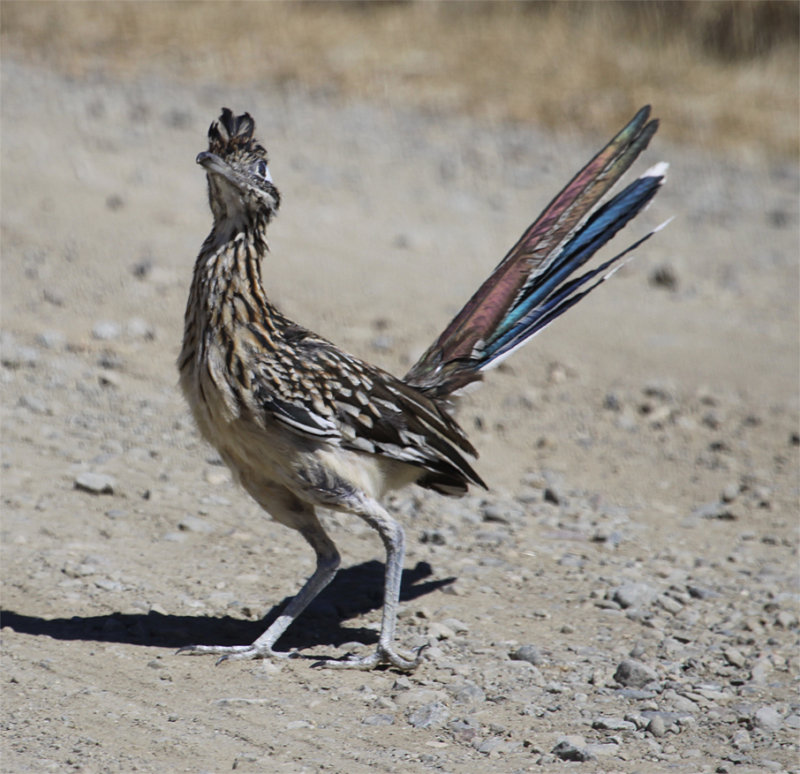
point(235, 652)
point(382, 656)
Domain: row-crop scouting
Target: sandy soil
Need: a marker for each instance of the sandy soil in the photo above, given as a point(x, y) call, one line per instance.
point(642, 455)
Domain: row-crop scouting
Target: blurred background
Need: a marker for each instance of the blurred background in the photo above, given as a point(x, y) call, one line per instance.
point(723, 75)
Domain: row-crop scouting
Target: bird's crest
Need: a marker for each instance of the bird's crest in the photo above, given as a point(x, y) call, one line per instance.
point(232, 135)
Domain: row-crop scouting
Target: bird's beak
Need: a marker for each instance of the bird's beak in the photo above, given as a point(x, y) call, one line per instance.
point(206, 158)
point(214, 165)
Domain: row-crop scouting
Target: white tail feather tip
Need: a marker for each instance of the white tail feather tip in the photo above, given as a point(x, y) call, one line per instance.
point(658, 170)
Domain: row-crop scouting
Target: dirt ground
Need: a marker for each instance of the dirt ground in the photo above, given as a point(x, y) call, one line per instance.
point(624, 598)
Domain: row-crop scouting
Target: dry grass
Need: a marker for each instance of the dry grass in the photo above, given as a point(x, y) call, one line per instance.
point(722, 75)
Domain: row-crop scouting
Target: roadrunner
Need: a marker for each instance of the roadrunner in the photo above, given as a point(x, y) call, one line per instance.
point(303, 425)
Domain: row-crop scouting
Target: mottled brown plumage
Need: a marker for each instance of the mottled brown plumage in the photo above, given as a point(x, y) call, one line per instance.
point(301, 423)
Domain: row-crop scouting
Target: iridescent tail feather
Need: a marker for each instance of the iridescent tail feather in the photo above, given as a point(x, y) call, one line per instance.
point(533, 284)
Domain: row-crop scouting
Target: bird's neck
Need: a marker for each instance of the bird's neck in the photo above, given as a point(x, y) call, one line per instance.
point(227, 277)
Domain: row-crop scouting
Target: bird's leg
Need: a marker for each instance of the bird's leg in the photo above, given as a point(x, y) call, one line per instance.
point(327, 564)
point(394, 540)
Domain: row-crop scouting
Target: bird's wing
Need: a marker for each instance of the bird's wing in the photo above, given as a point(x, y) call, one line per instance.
point(318, 391)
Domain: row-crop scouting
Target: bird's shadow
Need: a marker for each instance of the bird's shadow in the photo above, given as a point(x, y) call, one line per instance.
point(353, 592)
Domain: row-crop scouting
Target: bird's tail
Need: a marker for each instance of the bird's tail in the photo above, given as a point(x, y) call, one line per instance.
point(533, 284)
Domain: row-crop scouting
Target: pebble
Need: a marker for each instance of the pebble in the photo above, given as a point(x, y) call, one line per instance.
point(195, 524)
point(730, 492)
point(429, 715)
point(716, 510)
point(634, 674)
point(468, 693)
point(137, 328)
point(489, 745)
point(786, 619)
point(613, 724)
point(768, 719)
point(742, 741)
point(572, 749)
point(440, 631)
point(792, 721)
point(656, 726)
point(380, 719)
point(529, 653)
point(51, 339)
point(734, 657)
point(17, 355)
point(464, 730)
point(701, 592)
point(106, 330)
point(634, 595)
point(96, 483)
point(669, 604)
point(79, 570)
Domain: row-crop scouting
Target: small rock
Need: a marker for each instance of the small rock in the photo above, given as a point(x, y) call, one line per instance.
point(572, 749)
point(634, 595)
point(730, 492)
point(429, 715)
point(715, 510)
point(734, 657)
point(51, 339)
point(786, 619)
point(109, 379)
point(79, 570)
point(96, 483)
point(15, 355)
point(137, 328)
point(669, 604)
point(456, 625)
point(195, 524)
point(293, 725)
point(440, 632)
point(741, 740)
point(768, 719)
point(468, 693)
point(760, 670)
point(634, 674)
point(701, 592)
point(552, 495)
point(529, 653)
point(657, 727)
point(378, 720)
point(105, 330)
point(792, 721)
point(613, 724)
point(489, 745)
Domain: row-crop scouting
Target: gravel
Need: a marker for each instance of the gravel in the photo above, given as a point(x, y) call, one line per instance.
point(623, 597)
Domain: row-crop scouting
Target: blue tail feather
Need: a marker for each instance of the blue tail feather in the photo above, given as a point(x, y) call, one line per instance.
point(550, 293)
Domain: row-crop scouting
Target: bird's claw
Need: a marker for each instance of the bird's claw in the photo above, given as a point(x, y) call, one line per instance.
point(234, 652)
point(382, 656)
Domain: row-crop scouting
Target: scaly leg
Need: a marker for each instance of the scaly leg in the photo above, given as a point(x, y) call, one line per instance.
point(327, 564)
point(394, 541)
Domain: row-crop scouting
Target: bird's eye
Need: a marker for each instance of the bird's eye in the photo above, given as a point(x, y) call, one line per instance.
point(262, 170)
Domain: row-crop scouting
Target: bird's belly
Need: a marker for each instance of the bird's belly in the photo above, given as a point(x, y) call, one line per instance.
point(262, 451)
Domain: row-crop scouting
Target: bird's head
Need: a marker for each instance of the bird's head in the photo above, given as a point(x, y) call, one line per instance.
point(240, 188)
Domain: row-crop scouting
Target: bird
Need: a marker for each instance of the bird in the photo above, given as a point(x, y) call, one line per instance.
point(305, 426)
